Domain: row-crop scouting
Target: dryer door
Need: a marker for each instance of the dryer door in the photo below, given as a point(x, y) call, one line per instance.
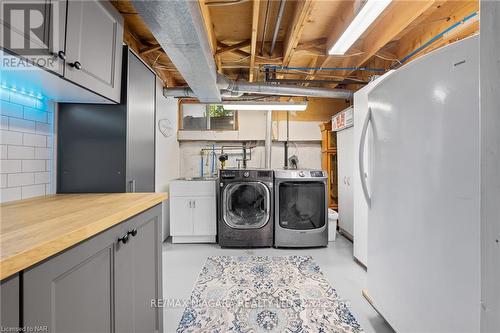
point(302, 205)
point(246, 205)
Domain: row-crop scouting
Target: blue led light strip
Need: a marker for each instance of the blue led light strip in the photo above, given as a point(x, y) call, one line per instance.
point(14, 90)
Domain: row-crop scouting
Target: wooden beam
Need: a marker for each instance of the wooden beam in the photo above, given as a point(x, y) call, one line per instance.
point(258, 59)
point(209, 26)
point(450, 13)
point(235, 51)
point(302, 10)
point(397, 17)
point(312, 44)
point(149, 49)
point(229, 48)
point(255, 27)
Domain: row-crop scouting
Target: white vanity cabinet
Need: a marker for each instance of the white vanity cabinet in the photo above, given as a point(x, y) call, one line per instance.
point(193, 211)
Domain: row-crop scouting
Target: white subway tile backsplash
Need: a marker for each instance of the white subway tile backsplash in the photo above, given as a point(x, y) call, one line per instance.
point(33, 191)
point(42, 177)
point(34, 165)
point(4, 95)
point(10, 166)
point(42, 153)
point(35, 140)
point(42, 128)
point(3, 152)
point(11, 137)
point(20, 179)
point(21, 152)
point(24, 100)
point(26, 140)
point(9, 194)
point(11, 109)
point(35, 115)
point(4, 122)
point(22, 125)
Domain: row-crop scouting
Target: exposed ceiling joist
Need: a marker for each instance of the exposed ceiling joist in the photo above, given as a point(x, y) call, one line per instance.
point(244, 54)
point(149, 49)
point(209, 26)
point(397, 17)
point(229, 48)
point(255, 28)
point(302, 10)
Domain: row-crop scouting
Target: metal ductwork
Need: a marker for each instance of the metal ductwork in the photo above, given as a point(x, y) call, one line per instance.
point(178, 26)
point(242, 87)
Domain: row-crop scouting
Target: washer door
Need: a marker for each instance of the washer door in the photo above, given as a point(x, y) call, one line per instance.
point(246, 205)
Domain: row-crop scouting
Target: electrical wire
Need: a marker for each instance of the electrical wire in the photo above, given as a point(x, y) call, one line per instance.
point(224, 3)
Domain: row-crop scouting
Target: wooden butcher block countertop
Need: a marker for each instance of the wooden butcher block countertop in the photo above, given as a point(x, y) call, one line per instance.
point(34, 229)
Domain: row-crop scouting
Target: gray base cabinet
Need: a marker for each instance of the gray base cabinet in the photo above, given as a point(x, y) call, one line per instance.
point(104, 284)
point(9, 306)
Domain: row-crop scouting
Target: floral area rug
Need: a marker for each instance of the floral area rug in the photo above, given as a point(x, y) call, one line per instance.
point(265, 294)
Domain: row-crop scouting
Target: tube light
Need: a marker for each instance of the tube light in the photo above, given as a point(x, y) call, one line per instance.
point(365, 17)
point(268, 106)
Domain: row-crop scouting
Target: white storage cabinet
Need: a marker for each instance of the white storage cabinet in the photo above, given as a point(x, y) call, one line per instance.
point(193, 211)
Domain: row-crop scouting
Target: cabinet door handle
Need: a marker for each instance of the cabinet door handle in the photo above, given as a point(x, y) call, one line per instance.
point(132, 185)
point(76, 65)
point(123, 239)
point(190, 204)
point(61, 55)
point(132, 232)
point(194, 203)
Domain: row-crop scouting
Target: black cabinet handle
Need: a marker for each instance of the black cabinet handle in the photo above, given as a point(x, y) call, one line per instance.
point(132, 232)
point(61, 55)
point(123, 239)
point(75, 65)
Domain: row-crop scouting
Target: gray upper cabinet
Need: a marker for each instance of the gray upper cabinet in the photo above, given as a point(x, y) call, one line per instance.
point(44, 44)
point(94, 47)
point(80, 40)
point(104, 284)
point(140, 126)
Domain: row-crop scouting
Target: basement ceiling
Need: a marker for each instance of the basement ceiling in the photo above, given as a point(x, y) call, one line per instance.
point(241, 39)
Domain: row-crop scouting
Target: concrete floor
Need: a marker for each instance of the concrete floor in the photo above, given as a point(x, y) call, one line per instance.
point(183, 262)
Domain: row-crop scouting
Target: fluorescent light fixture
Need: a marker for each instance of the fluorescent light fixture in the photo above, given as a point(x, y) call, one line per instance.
point(267, 106)
point(365, 17)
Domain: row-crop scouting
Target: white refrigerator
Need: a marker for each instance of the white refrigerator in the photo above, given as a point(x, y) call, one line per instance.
point(424, 219)
point(360, 207)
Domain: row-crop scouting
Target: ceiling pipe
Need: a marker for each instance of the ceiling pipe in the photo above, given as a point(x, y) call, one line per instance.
point(277, 26)
point(280, 90)
point(242, 87)
point(265, 28)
